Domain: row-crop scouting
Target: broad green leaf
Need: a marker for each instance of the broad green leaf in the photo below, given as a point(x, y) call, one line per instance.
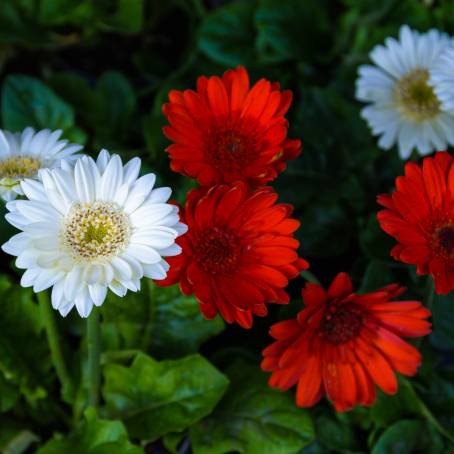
point(160, 320)
point(154, 398)
point(407, 437)
point(377, 275)
point(105, 108)
point(24, 355)
point(227, 34)
point(93, 436)
point(336, 435)
point(29, 102)
point(291, 30)
point(173, 440)
point(253, 419)
point(66, 12)
point(128, 16)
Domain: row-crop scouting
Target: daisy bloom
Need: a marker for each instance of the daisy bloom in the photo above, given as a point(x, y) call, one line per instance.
point(343, 344)
point(239, 252)
point(227, 131)
point(23, 154)
point(92, 226)
point(404, 107)
point(442, 78)
point(419, 214)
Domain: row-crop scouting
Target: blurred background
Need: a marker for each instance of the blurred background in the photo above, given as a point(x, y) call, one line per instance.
point(100, 70)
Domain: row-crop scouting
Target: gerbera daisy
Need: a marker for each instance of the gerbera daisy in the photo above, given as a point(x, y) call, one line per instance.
point(343, 344)
point(404, 106)
point(23, 154)
point(442, 78)
point(227, 131)
point(419, 214)
point(90, 227)
point(239, 252)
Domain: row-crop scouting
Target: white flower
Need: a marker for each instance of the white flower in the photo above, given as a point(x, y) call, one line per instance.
point(404, 107)
point(442, 78)
point(22, 154)
point(92, 226)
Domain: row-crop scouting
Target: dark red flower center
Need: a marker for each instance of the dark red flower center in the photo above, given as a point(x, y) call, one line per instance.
point(341, 323)
point(445, 238)
point(230, 150)
point(217, 250)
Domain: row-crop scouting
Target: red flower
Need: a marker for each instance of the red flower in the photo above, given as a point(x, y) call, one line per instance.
point(226, 131)
point(342, 343)
point(239, 252)
point(419, 214)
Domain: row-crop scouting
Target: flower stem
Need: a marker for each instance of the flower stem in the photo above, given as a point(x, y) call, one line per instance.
point(53, 340)
point(94, 357)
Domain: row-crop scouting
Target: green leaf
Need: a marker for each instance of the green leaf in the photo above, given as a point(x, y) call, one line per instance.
point(154, 398)
point(128, 16)
point(253, 419)
point(335, 435)
point(29, 102)
point(24, 354)
point(227, 33)
point(291, 30)
point(377, 275)
point(407, 437)
point(93, 436)
point(105, 108)
point(160, 320)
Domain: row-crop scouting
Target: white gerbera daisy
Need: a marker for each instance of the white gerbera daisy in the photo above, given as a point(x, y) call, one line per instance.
point(92, 226)
point(22, 154)
point(442, 78)
point(404, 107)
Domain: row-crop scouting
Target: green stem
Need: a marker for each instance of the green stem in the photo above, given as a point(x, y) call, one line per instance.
point(310, 277)
point(94, 357)
point(47, 314)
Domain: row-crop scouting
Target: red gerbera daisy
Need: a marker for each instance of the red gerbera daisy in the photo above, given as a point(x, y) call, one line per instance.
point(342, 343)
point(239, 252)
point(226, 131)
point(419, 214)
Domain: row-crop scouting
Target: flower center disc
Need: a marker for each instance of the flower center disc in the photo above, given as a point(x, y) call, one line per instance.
point(229, 150)
point(217, 251)
point(96, 230)
point(341, 323)
point(416, 97)
point(19, 167)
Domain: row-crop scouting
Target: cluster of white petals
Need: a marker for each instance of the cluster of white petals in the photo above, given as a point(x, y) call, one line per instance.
point(88, 226)
point(411, 101)
point(22, 154)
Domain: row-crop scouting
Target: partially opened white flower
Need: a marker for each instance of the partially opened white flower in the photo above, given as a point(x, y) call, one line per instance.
point(404, 107)
point(442, 78)
point(23, 154)
point(92, 226)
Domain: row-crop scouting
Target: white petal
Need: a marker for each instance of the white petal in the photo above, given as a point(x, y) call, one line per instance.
point(139, 192)
point(144, 254)
point(97, 293)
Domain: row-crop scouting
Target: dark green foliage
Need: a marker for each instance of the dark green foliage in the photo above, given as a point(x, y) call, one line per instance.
point(172, 381)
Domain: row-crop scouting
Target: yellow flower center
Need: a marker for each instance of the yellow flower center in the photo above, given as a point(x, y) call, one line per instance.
point(415, 97)
point(18, 167)
point(96, 230)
